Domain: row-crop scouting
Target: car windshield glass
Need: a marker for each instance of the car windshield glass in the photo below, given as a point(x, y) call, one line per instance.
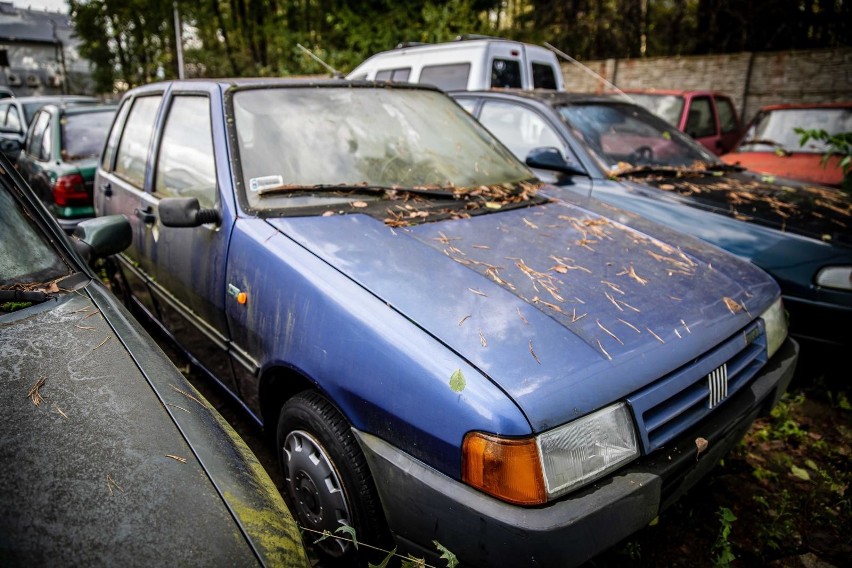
point(27, 259)
point(83, 134)
point(776, 129)
point(622, 136)
point(318, 138)
point(669, 107)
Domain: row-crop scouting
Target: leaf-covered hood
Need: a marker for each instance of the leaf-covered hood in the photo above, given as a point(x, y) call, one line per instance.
point(814, 211)
point(563, 309)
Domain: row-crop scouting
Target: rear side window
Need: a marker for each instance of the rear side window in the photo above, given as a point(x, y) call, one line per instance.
point(446, 77)
point(185, 166)
point(506, 73)
point(393, 74)
point(727, 116)
point(700, 121)
point(133, 147)
point(112, 141)
point(544, 76)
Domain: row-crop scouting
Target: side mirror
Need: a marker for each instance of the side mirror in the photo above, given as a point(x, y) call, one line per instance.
point(185, 212)
point(551, 159)
point(102, 236)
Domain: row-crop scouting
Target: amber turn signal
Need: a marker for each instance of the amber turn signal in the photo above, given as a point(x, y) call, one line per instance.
point(509, 469)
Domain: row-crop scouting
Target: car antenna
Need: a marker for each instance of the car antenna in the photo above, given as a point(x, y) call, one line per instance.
point(588, 70)
point(334, 72)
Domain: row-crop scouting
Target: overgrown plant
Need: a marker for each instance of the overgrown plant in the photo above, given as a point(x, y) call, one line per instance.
point(840, 143)
point(724, 552)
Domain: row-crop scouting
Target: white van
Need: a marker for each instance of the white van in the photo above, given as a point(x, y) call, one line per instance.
point(467, 63)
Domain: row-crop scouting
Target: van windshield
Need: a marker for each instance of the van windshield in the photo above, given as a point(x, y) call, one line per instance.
point(294, 139)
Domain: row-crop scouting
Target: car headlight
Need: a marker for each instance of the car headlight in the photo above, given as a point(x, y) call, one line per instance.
point(775, 321)
point(532, 471)
point(839, 277)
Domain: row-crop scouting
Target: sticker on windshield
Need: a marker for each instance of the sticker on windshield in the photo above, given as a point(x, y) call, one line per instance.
point(265, 182)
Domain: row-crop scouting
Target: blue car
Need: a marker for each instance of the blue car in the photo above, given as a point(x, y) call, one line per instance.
point(621, 154)
point(446, 356)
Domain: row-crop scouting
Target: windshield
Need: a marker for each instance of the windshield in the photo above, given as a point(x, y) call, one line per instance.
point(668, 107)
point(27, 259)
point(303, 138)
point(622, 136)
point(775, 130)
point(83, 134)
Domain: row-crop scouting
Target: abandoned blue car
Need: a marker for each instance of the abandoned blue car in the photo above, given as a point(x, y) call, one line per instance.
point(441, 351)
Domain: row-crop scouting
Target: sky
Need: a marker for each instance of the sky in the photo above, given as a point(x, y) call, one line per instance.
point(46, 5)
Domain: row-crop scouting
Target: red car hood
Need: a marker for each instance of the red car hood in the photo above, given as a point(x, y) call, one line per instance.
point(801, 166)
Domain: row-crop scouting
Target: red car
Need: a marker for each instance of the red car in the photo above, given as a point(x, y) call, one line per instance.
point(771, 144)
point(708, 116)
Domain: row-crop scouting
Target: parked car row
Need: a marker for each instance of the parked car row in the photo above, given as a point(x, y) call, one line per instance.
point(547, 317)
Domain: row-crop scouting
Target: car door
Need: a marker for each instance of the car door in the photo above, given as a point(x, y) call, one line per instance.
point(186, 266)
point(701, 122)
point(729, 124)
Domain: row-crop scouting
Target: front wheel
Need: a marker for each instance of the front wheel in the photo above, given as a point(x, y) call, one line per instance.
point(327, 481)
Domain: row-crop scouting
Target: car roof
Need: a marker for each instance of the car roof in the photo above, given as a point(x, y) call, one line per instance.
point(54, 98)
point(252, 82)
point(796, 106)
point(675, 92)
point(547, 96)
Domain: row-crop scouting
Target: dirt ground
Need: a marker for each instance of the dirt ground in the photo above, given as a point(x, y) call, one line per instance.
point(780, 499)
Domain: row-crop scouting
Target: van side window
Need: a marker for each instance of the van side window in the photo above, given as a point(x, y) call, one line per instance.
point(393, 74)
point(727, 115)
point(700, 121)
point(506, 73)
point(544, 76)
point(451, 77)
point(185, 166)
point(133, 148)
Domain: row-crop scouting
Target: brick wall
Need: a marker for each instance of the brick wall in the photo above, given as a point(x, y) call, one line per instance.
point(751, 79)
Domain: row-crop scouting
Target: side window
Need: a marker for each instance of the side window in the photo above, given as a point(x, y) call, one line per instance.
point(13, 119)
point(185, 165)
point(467, 104)
point(700, 121)
point(4, 109)
point(133, 147)
point(393, 74)
point(506, 73)
point(36, 135)
point(446, 77)
point(46, 141)
point(112, 141)
point(544, 76)
point(520, 129)
point(727, 115)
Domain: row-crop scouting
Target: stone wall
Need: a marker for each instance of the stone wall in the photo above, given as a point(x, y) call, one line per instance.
point(751, 79)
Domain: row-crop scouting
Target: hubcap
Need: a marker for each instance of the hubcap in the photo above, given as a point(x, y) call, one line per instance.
point(315, 489)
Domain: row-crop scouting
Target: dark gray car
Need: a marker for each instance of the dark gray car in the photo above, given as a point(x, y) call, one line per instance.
point(16, 113)
point(110, 457)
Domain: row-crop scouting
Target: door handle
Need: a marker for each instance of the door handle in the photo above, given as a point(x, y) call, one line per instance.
point(107, 187)
point(146, 215)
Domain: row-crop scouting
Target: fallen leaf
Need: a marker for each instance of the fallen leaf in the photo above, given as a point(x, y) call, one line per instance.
point(701, 444)
point(457, 382)
point(359, 204)
point(800, 473)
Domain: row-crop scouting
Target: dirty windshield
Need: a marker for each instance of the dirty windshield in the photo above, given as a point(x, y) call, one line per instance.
point(297, 145)
point(776, 129)
point(28, 262)
point(624, 137)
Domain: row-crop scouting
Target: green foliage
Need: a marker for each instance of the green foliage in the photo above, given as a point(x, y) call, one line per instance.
point(457, 381)
point(7, 307)
point(451, 559)
point(725, 555)
point(836, 144)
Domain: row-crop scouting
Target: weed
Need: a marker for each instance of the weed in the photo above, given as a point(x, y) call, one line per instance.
point(725, 554)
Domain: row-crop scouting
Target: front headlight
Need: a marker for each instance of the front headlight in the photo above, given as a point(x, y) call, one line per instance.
point(532, 471)
point(775, 321)
point(839, 277)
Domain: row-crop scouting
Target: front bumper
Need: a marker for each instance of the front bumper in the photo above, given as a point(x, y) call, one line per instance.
point(423, 505)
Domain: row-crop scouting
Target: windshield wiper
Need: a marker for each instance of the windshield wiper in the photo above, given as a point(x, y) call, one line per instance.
point(430, 191)
point(779, 148)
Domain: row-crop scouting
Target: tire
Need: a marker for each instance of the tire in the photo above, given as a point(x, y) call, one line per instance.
point(327, 481)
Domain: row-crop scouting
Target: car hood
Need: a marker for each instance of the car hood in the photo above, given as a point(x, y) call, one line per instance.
point(814, 211)
point(112, 465)
point(562, 308)
point(807, 167)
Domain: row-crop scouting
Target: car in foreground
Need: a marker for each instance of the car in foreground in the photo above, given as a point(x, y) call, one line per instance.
point(16, 114)
point(772, 145)
point(60, 155)
point(710, 117)
point(111, 458)
point(433, 341)
point(622, 154)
